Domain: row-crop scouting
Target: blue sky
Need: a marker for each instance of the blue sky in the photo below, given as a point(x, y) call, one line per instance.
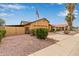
point(54, 12)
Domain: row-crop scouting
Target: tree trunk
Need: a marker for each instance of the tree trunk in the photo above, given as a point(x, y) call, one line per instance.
point(70, 26)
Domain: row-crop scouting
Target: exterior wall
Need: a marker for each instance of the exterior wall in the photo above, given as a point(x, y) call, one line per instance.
point(27, 28)
point(14, 30)
point(39, 24)
point(50, 27)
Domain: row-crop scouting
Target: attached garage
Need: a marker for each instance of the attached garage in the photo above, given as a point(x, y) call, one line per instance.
point(14, 30)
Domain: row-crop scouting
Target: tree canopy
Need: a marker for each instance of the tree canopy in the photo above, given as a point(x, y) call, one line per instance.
point(2, 22)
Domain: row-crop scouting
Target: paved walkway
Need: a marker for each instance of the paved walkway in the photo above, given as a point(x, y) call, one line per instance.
point(66, 47)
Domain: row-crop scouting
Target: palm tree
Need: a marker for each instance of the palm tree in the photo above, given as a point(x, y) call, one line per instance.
point(2, 22)
point(70, 7)
point(70, 16)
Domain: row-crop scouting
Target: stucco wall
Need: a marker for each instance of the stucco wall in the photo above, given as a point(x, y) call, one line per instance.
point(50, 27)
point(39, 24)
point(14, 30)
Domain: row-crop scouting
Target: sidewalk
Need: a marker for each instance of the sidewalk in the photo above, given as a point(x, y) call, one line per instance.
point(65, 47)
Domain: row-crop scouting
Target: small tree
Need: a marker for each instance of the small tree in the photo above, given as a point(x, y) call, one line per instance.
point(2, 22)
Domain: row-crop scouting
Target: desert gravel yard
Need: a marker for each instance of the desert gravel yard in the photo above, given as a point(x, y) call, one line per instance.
point(22, 45)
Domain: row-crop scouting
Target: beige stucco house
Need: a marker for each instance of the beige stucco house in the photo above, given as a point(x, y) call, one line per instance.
point(41, 23)
point(25, 27)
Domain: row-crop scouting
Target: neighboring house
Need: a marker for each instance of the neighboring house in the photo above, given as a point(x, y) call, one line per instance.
point(59, 27)
point(41, 23)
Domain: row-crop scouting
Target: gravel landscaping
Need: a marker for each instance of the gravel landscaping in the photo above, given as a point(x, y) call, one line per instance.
point(23, 45)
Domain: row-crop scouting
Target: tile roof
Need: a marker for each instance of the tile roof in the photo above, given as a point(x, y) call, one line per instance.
point(60, 25)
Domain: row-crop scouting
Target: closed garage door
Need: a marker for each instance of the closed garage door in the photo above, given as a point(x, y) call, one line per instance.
point(14, 30)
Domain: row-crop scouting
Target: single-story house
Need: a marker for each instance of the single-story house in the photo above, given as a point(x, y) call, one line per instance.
point(41, 23)
point(25, 27)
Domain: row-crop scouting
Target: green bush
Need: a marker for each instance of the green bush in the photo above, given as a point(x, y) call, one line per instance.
point(41, 33)
point(33, 32)
point(53, 30)
point(2, 34)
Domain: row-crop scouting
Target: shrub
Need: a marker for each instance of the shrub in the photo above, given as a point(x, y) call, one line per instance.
point(53, 30)
point(2, 34)
point(41, 33)
point(33, 32)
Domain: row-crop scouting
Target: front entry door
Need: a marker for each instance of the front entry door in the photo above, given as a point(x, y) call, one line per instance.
point(26, 30)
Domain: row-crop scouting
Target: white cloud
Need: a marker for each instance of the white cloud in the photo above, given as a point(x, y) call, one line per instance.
point(6, 14)
point(11, 6)
point(14, 6)
point(64, 13)
point(76, 12)
point(55, 3)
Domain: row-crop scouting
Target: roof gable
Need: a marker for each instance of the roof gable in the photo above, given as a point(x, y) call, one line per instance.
point(38, 20)
point(24, 22)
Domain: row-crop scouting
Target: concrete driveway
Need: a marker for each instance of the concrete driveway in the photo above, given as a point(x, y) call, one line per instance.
point(59, 37)
point(65, 47)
